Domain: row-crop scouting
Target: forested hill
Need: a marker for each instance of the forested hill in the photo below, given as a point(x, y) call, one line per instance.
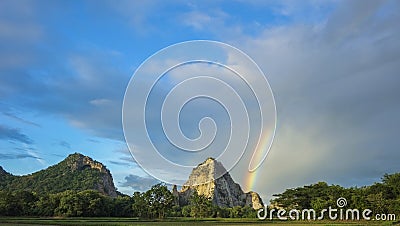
point(382, 197)
point(77, 172)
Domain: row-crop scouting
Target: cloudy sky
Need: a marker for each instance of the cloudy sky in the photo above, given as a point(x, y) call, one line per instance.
point(333, 67)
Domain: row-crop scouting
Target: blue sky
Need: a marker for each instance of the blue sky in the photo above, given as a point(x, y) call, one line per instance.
point(333, 67)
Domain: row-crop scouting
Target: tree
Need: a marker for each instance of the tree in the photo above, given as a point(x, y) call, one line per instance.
point(222, 212)
point(186, 210)
point(9, 206)
point(236, 212)
point(378, 203)
point(200, 205)
point(159, 199)
point(392, 182)
point(47, 204)
point(122, 206)
point(26, 201)
point(139, 206)
point(249, 212)
point(69, 205)
point(88, 203)
point(318, 196)
point(155, 202)
point(94, 204)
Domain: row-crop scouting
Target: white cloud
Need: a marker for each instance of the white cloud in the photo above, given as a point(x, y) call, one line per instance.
point(197, 20)
point(100, 102)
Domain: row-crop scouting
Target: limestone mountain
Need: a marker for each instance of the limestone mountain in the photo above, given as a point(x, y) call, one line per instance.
point(76, 172)
point(223, 191)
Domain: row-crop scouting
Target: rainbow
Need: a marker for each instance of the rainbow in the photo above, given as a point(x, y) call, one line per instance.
point(258, 158)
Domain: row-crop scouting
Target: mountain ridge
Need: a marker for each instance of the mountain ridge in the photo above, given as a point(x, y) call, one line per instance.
point(76, 172)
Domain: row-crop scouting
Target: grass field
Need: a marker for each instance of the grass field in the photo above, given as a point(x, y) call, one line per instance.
point(173, 221)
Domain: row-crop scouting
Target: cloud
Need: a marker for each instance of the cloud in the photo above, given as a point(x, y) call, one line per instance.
point(84, 84)
point(89, 95)
point(125, 155)
point(34, 152)
point(100, 102)
point(19, 119)
point(14, 134)
point(139, 183)
point(64, 144)
point(337, 101)
point(120, 163)
point(17, 156)
point(18, 31)
point(199, 20)
point(215, 22)
point(139, 14)
point(93, 141)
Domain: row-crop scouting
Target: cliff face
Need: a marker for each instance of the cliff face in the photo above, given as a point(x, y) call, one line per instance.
point(223, 191)
point(105, 184)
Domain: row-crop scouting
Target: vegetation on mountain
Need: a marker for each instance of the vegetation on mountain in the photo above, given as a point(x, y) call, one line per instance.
point(78, 186)
point(77, 173)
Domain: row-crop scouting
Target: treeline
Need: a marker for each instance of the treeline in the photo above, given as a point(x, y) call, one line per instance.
point(383, 197)
point(158, 202)
point(89, 203)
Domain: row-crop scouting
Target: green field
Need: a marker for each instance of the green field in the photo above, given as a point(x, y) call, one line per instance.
point(172, 221)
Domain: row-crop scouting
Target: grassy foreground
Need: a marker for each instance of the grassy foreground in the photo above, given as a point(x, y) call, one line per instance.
point(173, 221)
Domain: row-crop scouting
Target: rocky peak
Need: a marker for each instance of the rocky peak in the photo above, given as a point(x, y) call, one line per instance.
point(79, 162)
point(206, 172)
point(208, 160)
point(211, 179)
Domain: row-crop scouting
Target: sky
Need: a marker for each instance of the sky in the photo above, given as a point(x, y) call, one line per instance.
point(333, 67)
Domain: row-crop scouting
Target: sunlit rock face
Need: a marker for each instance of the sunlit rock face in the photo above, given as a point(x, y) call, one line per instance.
point(223, 191)
point(105, 185)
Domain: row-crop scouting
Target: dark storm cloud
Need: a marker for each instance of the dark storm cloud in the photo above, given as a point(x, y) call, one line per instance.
point(336, 89)
point(139, 183)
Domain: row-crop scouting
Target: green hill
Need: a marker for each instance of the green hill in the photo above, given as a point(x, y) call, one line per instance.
point(77, 172)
